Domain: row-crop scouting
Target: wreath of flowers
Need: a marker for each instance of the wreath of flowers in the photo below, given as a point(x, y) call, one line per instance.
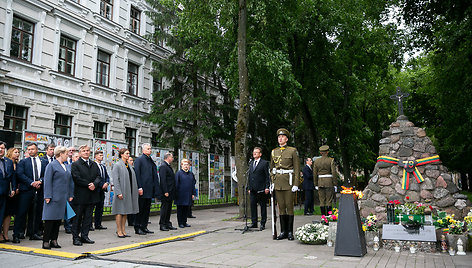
point(312, 233)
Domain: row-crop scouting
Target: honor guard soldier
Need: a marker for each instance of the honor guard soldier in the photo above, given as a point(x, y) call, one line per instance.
point(285, 175)
point(325, 179)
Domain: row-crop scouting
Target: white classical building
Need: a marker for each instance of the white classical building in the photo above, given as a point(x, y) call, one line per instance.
point(77, 68)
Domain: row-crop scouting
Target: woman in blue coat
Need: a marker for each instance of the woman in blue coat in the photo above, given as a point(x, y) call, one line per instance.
point(185, 192)
point(57, 191)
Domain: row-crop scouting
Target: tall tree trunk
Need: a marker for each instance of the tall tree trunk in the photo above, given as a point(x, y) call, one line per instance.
point(243, 112)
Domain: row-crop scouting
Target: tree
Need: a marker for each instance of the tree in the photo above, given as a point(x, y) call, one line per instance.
point(444, 77)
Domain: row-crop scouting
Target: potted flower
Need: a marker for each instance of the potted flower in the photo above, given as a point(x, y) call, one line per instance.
point(312, 233)
point(468, 223)
point(331, 220)
point(455, 231)
point(371, 230)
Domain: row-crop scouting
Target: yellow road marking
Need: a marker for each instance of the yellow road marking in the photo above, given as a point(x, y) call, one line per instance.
point(41, 251)
point(136, 245)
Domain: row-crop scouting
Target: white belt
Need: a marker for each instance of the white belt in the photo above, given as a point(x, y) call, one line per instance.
point(325, 176)
point(284, 171)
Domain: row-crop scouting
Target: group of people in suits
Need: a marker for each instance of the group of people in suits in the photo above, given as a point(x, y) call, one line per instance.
point(47, 189)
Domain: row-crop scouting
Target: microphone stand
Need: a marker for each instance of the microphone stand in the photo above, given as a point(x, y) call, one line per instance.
point(246, 227)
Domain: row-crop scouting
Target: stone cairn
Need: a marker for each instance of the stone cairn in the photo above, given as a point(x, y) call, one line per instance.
point(404, 141)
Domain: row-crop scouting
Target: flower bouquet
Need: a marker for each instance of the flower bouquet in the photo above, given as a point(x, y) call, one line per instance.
point(332, 216)
point(369, 224)
point(312, 233)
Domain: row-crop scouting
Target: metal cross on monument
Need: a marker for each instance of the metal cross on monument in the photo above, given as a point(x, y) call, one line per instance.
point(399, 96)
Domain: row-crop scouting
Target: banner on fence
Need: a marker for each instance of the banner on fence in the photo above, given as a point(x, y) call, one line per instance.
point(234, 179)
point(216, 176)
point(42, 140)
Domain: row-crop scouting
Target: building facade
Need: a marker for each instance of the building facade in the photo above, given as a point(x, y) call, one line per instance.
point(77, 68)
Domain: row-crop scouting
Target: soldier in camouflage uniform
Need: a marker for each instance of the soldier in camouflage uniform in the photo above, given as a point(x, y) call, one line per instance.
point(325, 179)
point(285, 175)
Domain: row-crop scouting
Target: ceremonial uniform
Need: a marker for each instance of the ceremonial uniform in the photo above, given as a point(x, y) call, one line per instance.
point(325, 178)
point(285, 176)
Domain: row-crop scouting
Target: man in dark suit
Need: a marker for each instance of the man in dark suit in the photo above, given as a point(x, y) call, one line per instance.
point(146, 176)
point(7, 178)
point(258, 187)
point(30, 173)
point(49, 157)
point(308, 186)
point(167, 187)
point(86, 177)
point(102, 188)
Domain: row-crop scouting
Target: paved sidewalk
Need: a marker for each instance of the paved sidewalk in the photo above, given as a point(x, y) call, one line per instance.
point(220, 245)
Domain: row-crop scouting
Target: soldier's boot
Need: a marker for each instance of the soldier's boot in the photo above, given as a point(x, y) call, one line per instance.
point(283, 227)
point(323, 210)
point(290, 227)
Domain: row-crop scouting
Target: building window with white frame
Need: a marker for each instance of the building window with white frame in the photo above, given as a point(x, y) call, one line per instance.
point(67, 51)
point(156, 84)
point(106, 8)
point(99, 130)
point(103, 68)
point(133, 79)
point(134, 20)
point(22, 39)
point(130, 138)
point(15, 119)
point(63, 125)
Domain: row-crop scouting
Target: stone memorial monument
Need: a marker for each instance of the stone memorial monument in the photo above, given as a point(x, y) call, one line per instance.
point(409, 166)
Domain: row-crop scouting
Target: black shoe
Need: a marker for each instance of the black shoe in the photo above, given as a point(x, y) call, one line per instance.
point(127, 235)
point(262, 227)
point(282, 235)
point(46, 245)
point(308, 213)
point(21, 236)
point(77, 242)
point(181, 226)
point(54, 244)
point(139, 232)
point(86, 240)
point(191, 216)
point(146, 230)
point(170, 227)
point(68, 231)
point(254, 225)
point(91, 228)
point(15, 240)
point(187, 225)
point(101, 227)
point(35, 237)
point(164, 228)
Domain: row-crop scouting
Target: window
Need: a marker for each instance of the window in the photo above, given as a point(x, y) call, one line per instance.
point(156, 84)
point(154, 140)
point(135, 18)
point(133, 79)
point(106, 8)
point(130, 138)
point(63, 125)
point(67, 48)
point(22, 39)
point(99, 130)
point(15, 120)
point(103, 68)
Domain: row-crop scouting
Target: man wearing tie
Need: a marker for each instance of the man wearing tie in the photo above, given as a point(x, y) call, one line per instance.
point(49, 153)
point(86, 177)
point(30, 173)
point(167, 192)
point(102, 188)
point(259, 183)
point(6, 178)
point(146, 177)
point(308, 186)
